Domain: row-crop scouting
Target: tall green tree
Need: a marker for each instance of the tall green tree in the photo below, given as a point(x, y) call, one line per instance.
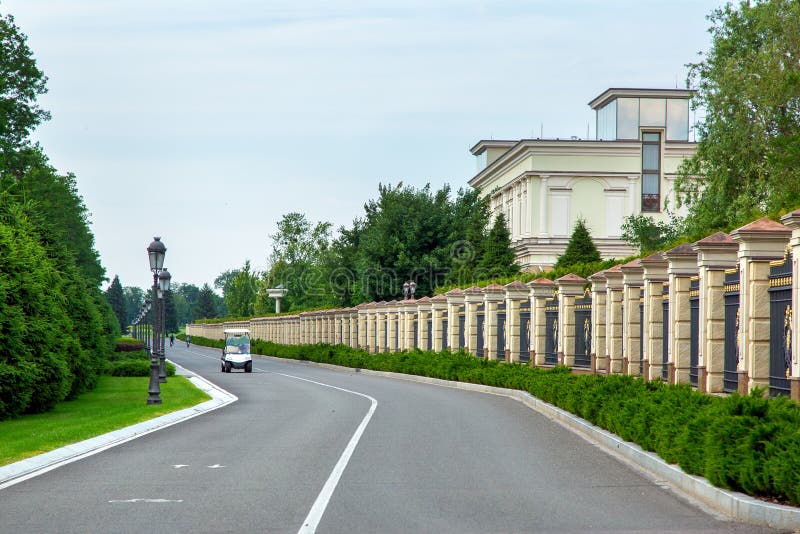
point(21, 83)
point(206, 307)
point(116, 299)
point(134, 298)
point(239, 293)
point(497, 260)
point(580, 248)
point(748, 154)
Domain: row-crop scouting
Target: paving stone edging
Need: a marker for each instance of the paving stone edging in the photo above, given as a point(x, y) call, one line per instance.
point(24, 469)
point(734, 505)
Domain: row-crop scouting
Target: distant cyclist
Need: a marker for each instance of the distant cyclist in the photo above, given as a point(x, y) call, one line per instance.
point(188, 339)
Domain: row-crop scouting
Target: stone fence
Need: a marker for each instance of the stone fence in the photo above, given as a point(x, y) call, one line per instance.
point(716, 314)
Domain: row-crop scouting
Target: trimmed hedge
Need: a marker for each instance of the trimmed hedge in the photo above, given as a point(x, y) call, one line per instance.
point(127, 344)
point(132, 363)
point(744, 443)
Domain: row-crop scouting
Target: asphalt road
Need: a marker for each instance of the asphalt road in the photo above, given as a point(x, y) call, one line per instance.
point(307, 448)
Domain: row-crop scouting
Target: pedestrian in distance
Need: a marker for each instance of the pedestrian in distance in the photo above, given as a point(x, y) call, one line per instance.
point(188, 338)
point(171, 339)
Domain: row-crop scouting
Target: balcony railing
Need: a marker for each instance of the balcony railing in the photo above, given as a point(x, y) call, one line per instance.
point(651, 202)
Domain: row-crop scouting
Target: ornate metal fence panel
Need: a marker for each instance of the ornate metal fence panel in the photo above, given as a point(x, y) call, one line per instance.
point(386, 334)
point(551, 331)
point(583, 331)
point(730, 380)
point(501, 331)
point(525, 331)
point(480, 322)
point(641, 332)
point(444, 331)
point(780, 326)
point(416, 332)
point(694, 329)
point(396, 333)
point(664, 331)
point(462, 327)
point(430, 332)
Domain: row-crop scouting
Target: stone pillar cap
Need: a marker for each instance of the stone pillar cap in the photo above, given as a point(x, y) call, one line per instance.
point(474, 290)
point(541, 282)
point(571, 284)
point(654, 259)
point(792, 220)
point(454, 292)
point(681, 251)
point(493, 288)
point(517, 289)
point(634, 266)
point(716, 240)
point(763, 227)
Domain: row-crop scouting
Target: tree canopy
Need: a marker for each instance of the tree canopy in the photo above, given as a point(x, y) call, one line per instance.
point(748, 155)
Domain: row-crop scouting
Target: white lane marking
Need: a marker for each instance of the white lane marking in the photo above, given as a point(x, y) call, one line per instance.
point(147, 500)
point(178, 466)
point(215, 466)
point(318, 508)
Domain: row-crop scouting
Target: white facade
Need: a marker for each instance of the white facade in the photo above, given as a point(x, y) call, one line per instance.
point(544, 186)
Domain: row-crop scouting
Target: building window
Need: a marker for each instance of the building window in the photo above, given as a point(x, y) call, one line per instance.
point(651, 171)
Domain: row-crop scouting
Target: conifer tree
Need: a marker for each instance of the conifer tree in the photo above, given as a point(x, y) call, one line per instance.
point(116, 299)
point(206, 307)
point(580, 249)
point(498, 259)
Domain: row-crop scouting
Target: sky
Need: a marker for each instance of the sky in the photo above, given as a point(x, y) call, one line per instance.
point(203, 122)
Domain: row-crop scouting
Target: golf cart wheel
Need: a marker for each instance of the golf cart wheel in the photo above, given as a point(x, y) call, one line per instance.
point(227, 367)
point(221, 367)
point(248, 367)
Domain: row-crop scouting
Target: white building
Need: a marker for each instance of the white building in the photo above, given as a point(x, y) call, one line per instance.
point(544, 185)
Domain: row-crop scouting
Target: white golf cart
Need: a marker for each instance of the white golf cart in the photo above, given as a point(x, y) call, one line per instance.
point(236, 352)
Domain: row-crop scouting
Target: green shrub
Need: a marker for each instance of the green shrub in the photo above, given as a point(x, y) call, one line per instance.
point(134, 367)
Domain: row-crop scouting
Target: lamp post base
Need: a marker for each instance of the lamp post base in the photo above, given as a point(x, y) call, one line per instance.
point(154, 390)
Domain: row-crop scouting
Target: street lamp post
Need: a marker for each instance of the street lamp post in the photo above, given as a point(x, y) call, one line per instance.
point(163, 286)
point(156, 252)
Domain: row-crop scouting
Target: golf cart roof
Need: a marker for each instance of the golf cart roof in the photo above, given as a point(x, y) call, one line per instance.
point(237, 331)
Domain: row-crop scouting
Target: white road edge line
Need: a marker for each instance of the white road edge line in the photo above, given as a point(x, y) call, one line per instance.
point(318, 508)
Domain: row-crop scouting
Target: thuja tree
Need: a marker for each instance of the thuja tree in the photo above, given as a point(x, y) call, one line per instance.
point(580, 249)
point(497, 257)
point(748, 154)
point(116, 299)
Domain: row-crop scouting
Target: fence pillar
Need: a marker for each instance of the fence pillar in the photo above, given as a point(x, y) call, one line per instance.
point(493, 294)
point(516, 292)
point(715, 254)
point(423, 315)
point(438, 311)
point(541, 290)
point(391, 326)
point(614, 320)
point(569, 288)
point(473, 297)
point(455, 300)
point(599, 353)
point(792, 220)
point(655, 274)
point(682, 267)
point(760, 242)
point(632, 299)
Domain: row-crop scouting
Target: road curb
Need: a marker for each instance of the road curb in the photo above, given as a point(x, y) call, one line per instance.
point(36, 465)
point(731, 504)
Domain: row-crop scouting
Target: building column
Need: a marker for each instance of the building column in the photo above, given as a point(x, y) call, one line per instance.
point(528, 206)
point(760, 242)
point(715, 254)
point(599, 352)
point(633, 199)
point(682, 267)
point(543, 206)
point(614, 322)
point(655, 274)
point(792, 220)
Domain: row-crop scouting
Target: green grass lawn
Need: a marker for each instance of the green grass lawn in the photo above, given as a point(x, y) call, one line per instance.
point(115, 403)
